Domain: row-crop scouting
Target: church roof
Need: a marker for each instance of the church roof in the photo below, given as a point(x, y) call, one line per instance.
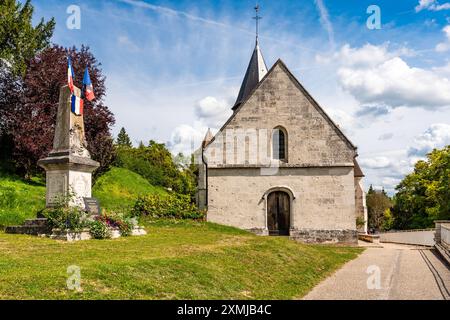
point(256, 70)
point(357, 169)
point(303, 90)
point(208, 138)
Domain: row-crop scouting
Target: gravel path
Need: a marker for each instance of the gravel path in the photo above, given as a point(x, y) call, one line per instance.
point(404, 273)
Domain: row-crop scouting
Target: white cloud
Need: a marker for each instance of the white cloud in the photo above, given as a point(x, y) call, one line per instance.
point(444, 71)
point(444, 46)
point(436, 136)
point(186, 138)
point(375, 163)
point(376, 76)
point(211, 113)
point(125, 42)
point(325, 21)
point(432, 5)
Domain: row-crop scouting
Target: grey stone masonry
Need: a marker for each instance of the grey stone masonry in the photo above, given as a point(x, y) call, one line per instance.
point(69, 165)
point(325, 236)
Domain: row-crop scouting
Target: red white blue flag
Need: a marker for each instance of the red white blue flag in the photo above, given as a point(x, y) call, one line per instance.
point(88, 89)
point(77, 105)
point(70, 74)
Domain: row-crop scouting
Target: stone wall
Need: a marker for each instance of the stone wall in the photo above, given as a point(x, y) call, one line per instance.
point(321, 198)
point(313, 140)
point(325, 236)
point(360, 204)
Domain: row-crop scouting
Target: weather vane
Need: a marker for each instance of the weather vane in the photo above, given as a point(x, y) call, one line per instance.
point(257, 18)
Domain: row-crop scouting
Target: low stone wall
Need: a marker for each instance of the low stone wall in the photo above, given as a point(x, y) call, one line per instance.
point(324, 236)
point(445, 236)
point(442, 238)
point(413, 237)
point(373, 238)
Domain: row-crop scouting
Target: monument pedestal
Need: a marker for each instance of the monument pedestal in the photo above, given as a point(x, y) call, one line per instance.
point(68, 175)
point(69, 165)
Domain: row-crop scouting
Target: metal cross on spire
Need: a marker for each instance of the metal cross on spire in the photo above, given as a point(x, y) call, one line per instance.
point(257, 18)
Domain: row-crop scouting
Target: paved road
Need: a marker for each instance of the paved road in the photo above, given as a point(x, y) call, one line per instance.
point(405, 273)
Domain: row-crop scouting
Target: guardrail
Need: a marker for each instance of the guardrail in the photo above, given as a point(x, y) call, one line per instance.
point(445, 235)
point(420, 237)
point(442, 238)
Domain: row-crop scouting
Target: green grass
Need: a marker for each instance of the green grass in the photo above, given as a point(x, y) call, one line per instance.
point(20, 200)
point(176, 260)
point(118, 189)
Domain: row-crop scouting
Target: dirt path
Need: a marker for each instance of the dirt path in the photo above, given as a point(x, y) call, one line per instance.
point(388, 272)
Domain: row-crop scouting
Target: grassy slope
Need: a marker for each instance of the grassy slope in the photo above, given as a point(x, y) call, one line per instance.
point(19, 200)
point(117, 189)
point(184, 260)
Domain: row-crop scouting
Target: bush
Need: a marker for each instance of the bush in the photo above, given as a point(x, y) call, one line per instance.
point(169, 206)
point(67, 218)
point(118, 220)
point(100, 230)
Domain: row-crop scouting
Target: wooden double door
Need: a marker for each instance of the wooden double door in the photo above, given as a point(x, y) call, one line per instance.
point(278, 213)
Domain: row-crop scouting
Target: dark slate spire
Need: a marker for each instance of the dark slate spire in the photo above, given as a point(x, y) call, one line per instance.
point(256, 69)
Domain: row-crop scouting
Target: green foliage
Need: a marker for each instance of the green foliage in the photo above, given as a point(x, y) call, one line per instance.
point(124, 222)
point(360, 222)
point(170, 206)
point(424, 195)
point(65, 217)
point(20, 199)
point(388, 220)
point(123, 139)
point(156, 164)
point(99, 230)
point(19, 40)
point(119, 188)
point(377, 203)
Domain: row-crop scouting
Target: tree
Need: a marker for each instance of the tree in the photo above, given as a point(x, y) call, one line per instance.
point(32, 122)
point(424, 195)
point(156, 164)
point(123, 139)
point(19, 40)
point(377, 204)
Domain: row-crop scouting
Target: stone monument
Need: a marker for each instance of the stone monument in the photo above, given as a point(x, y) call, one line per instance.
point(69, 165)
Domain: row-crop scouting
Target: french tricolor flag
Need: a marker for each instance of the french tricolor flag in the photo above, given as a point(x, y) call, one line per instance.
point(77, 105)
point(88, 89)
point(70, 74)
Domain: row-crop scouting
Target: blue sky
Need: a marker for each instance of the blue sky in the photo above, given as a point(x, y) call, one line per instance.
point(174, 68)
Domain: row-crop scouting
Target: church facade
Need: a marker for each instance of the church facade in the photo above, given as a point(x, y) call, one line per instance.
point(280, 165)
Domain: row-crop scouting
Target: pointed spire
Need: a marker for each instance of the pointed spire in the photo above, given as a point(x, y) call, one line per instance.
point(207, 139)
point(256, 69)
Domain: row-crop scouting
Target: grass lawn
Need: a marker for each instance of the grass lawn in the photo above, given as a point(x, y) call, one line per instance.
point(20, 200)
point(176, 260)
point(117, 189)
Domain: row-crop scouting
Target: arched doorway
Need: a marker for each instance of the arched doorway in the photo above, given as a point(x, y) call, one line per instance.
point(278, 213)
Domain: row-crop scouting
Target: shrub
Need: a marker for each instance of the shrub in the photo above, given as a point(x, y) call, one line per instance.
point(118, 220)
point(168, 206)
point(100, 229)
point(67, 218)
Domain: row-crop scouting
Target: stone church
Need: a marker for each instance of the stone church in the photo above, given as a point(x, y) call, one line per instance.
point(280, 165)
